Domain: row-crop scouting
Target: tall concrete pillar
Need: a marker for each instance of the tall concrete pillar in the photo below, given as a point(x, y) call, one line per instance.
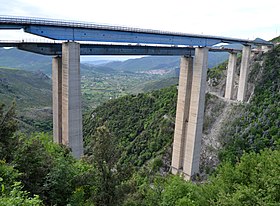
point(57, 98)
point(182, 113)
point(72, 135)
point(230, 75)
point(243, 78)
point(196, 114)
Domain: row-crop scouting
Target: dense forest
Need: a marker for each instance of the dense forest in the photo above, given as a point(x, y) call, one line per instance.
point(127, 154)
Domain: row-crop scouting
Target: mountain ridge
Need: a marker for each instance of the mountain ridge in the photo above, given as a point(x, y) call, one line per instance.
point(29, 61)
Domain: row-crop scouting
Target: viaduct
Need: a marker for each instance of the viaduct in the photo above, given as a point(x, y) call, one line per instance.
point(80, 38)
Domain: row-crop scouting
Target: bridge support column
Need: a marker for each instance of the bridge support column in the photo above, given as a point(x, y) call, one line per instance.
point(196, 114)
point(57, 98)
point(190, 114)
point(182, 113)
point(243, 78)
point(230, 75)
point(71, 98)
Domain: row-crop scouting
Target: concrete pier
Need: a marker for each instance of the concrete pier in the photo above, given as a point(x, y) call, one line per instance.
point(57, 98)
point(190, 114)
point(71, 98)
point(230, 75)
point(244, 70)
point(182, 113)
point(196, 114)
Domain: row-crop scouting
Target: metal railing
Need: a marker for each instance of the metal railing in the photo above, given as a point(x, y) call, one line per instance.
point(79, 24)
point(18, 20)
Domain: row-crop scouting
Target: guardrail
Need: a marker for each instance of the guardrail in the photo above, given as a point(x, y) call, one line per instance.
point(79, 24)
point(18, 20)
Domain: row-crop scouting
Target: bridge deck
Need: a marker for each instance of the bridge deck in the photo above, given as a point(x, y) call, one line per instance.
point(84, 31)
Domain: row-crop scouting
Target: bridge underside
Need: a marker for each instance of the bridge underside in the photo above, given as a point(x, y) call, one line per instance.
point(101, 49)
point(54, 49)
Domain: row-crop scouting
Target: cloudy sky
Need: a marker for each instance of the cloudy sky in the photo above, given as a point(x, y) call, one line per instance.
point(246, 19)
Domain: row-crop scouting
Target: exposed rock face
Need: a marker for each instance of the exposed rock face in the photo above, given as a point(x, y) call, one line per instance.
point(219, 110)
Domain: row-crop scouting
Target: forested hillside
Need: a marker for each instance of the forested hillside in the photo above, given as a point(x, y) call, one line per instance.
point(15, 58)
point(141, 124)
point(257, 125)
point(249, 129)
point(161, 62)
point(28, 89)
point(32, 93)
point(128, 146)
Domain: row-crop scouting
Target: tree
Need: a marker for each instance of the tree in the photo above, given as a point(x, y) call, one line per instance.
point(19, 197)
point(104, 157)
point(8, 126)
point(33, 160)
point(253, 181)
point(59, 182)
point(11, 192)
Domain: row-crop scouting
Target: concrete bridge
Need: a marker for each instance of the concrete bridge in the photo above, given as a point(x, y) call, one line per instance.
point(79, 38)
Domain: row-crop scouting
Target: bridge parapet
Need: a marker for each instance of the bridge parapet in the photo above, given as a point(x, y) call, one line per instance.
point(85, 31)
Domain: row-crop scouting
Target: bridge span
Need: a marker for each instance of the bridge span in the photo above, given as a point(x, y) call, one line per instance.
point(79, 38)
point(55, 48)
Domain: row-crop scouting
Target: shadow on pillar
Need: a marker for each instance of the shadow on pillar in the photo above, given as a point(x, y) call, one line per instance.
point(57, 98)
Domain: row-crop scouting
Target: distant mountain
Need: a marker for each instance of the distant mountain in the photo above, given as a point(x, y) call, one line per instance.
point(33, 95)
point(145, 63)
point(159, 84)
point(161, 62)
point(96, 62)
point(85, 68)
point(15, 58)
point(28, 89)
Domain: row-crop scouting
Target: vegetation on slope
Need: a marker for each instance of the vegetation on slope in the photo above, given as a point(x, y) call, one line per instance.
point(19, 59)
point(32, 93)
point(161, 62)
point(142, 124)
point(124, 136)
point(257, 125)
point(36, 171)
point(29, 89)
point(275, 40)
point(159, 84)
point(253, 181)
point(243, 172)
